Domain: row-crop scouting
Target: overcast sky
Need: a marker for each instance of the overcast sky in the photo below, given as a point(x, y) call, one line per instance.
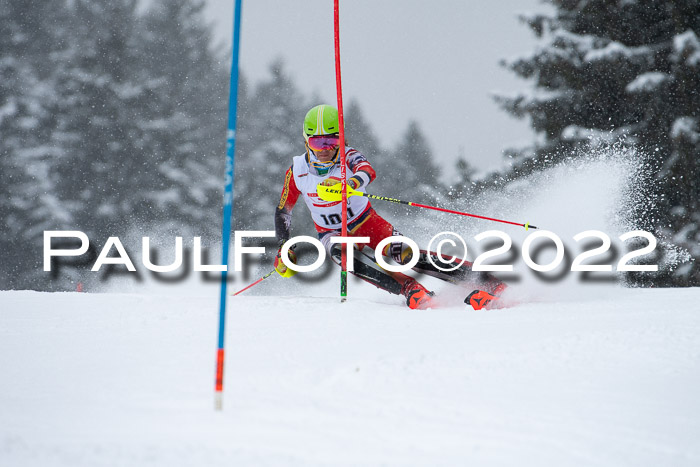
point(433, 62)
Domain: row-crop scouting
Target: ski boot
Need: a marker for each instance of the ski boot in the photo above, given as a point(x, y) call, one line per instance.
point(417, 296)
point(479, 299)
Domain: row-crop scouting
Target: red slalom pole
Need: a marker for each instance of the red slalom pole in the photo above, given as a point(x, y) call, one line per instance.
point(341, 148)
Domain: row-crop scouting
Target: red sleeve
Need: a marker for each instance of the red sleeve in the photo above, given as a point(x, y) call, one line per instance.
point(283, 212)
point(290, 193)
point(368, 169)
point(357, 162)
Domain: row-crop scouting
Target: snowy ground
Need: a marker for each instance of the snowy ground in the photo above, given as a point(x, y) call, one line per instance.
point(127, 379)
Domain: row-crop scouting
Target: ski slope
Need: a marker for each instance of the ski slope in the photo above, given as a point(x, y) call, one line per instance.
point(127, 379)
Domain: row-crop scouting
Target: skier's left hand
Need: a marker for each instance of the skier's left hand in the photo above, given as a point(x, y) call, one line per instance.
point(282, 268)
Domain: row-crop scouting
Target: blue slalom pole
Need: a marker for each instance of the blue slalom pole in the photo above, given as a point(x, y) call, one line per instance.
point(228, 201)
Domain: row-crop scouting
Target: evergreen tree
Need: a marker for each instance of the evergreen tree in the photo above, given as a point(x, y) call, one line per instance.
point(269, 135)
point(362, 137)
point(359, 134)
point(28, 150)
point(419, 177)
point(115, 121)
point(464, 185)
point(625, 71)
point(187, 116)
point(145, 97)
point(103, 93)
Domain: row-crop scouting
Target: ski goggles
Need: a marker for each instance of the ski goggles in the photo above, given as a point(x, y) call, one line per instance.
point(323, 143)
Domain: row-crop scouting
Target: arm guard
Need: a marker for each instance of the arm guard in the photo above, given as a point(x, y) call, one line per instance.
point(283, 211)
point(363, 172)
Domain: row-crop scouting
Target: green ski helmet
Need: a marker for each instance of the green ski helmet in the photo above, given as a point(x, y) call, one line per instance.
point(321, 120)
point(321, 130)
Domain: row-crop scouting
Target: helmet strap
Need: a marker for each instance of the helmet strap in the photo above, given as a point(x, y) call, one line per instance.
point(321, 168)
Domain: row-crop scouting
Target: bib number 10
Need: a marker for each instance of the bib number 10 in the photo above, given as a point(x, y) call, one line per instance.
point(335, 219)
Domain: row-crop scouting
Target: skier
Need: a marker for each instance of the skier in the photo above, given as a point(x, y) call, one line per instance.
point(320, 164)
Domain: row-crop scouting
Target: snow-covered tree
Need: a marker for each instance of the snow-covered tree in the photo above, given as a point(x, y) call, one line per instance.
point(29, 145)
point(143, 99)
point(414, 171)
point(463, 185)
point(186, 116)
point(360, 135)
point(112, 120)
point(269, 134)
point(620, 71)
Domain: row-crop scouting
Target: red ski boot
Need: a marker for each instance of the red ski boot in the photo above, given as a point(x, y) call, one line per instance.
point(417, 296)
point(479, 299)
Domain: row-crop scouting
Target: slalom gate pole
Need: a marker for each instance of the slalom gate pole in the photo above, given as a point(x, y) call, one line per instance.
point(343, 166)
point(255, 283)
point(333, 194)
point(228, 202)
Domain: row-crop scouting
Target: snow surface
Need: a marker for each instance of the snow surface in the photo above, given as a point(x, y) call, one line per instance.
point(127, 379)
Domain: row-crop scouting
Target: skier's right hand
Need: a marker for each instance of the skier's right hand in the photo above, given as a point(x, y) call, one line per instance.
point(353, 182)
point(280, 267)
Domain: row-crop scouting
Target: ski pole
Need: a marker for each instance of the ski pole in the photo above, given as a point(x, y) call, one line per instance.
point(255, 283)
point(327, 193)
